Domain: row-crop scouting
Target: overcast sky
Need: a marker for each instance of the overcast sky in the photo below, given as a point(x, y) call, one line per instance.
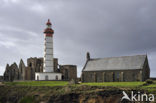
point(105, 28)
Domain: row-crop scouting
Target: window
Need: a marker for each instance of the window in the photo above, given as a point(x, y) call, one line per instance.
point(95, 77)
point(62, 77)
point(46, 77)
point(113, 76)
point(30, 64)
point(117, 76)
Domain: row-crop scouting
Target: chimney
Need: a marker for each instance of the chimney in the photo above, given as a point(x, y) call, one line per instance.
point(88, 56)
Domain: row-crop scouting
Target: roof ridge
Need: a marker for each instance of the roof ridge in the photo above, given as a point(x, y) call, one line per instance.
point(119, 56)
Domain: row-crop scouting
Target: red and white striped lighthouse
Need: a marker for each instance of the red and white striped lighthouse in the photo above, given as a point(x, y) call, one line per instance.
point(48, 48)
point(48, 68)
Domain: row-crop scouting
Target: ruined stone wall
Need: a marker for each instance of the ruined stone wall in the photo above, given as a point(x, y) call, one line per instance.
point(55, 65)
point(11, 72)
point(28, 74)
point(69, 72)
point(22, 70)
point(34, 65)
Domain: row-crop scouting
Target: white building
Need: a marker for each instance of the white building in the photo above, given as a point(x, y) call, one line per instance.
point(48, 68)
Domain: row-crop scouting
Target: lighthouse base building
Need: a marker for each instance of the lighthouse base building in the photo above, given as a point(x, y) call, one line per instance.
point(48, 76)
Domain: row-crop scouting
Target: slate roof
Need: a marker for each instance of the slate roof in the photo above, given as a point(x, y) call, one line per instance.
point(115, 63)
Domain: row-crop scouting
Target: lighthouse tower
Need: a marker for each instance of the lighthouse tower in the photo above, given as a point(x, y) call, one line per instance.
point(48, 48)
point(48, 67)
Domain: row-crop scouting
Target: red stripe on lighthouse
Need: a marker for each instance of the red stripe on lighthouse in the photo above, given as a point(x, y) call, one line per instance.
point(49, 35)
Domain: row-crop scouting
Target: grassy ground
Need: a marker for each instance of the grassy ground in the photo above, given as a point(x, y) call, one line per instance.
point(116, 84)
point(38, 83)
point(65, 83)
point(150, 87)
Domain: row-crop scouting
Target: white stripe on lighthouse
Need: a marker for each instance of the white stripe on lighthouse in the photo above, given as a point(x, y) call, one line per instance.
point(48, 54)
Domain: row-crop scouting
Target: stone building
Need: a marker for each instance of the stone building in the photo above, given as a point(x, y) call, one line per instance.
point(23, 72)
point(116, 69)
point(11, 72)
point(69, 72)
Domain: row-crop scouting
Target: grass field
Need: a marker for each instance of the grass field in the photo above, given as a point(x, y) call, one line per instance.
point(116, 84)
point(65, 83)
point(38, 83)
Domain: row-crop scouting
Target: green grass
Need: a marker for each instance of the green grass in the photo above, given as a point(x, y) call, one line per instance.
point(64, 83)
point(150, 87)
point(116, 84)
point(38, 83)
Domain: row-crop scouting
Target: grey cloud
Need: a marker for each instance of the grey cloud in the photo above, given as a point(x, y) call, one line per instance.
point(105, 28)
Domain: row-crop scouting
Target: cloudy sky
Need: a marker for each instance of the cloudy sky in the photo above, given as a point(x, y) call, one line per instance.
point(105, 28)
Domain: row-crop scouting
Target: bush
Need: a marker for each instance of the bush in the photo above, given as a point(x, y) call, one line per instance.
point(149, 81)
point(28, 99)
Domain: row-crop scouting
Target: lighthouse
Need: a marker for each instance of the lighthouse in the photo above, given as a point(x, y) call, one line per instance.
point(48, 48)
point(48, 65)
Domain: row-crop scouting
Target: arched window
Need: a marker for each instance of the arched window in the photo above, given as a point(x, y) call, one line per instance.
point(113, 77)
point(46, 77)
point(30, 64)
point(95, 77)
point(117, 76)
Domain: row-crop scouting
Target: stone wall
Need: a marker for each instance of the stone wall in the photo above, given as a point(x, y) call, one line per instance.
point(69, 72)
point(34, 65)
point(112, 76)
point(21, 70)
point(28, 73)
point(56, 65)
